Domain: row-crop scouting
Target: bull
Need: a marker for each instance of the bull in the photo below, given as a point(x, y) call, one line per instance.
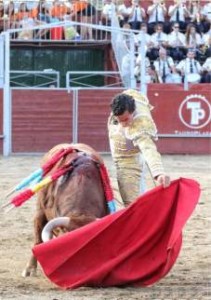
point(74, 200)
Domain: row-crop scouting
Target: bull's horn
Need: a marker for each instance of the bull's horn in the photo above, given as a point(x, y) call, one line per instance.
point(47, 231)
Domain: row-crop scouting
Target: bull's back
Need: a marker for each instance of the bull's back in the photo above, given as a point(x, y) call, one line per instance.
point(77, 146)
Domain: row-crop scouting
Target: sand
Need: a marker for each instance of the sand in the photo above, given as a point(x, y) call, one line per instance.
point(190, 278)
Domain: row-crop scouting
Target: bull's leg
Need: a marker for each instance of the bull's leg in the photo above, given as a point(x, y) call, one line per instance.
point(39, 222)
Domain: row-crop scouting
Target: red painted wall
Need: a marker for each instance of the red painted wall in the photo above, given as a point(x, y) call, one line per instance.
point(42, 118)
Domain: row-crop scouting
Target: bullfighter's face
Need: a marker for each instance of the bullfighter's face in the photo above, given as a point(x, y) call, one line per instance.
point(125, 119)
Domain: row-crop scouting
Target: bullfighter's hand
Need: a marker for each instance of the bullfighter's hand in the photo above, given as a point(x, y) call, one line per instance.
point(163, 180)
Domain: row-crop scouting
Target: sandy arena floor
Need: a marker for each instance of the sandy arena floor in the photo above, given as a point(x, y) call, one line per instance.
point(190, 278)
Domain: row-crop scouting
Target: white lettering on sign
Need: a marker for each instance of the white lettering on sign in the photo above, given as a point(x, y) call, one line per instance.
point(195, 111)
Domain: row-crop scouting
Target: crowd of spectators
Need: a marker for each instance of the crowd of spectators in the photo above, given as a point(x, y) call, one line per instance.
point(177, 33)
point(177, 37)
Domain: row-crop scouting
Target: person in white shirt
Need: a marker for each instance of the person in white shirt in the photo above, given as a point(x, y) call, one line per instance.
point(124, 11)
point(195, 16)
point(206, 71)
point(206, 14)
point(164, 67)
point(207, 43)
point(176, 43)
point(137, 15)
point(190, 67)
point(143, 35)
point(178, 12)
point(157, 13)
point(193, 40)
point(108, 9)
point(158, 39)
point(148, 72)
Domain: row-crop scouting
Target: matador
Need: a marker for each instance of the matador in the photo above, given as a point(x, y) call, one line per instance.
point(132, 135)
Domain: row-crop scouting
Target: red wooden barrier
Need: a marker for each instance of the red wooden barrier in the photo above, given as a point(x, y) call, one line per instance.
point(42, 118)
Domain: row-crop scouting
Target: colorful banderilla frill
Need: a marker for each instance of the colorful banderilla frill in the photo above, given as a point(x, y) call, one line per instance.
point(37, 178)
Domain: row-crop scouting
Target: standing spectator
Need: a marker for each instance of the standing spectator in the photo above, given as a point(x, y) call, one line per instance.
point(11, 14)
point(88, 14)
point(158, 39)
point(156, 12)
point(23, 12)
point(43, 17)
point(206, 14)
point(2, 16)
point(195, 16)
point(43, 12)
point(1, 9)
point(137, 15)
point(206, 71)
point(190, 67)
point(164, 67)
point(109, 8)
point(178, 12)
point(124, 10)
point(27, 20)
point(84, 11)
point(176, 42)
point(59, 10)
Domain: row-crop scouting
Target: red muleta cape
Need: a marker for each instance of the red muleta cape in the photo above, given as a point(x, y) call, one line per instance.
point(135, 246)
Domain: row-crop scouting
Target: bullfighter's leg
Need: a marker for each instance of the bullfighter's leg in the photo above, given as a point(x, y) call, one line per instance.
point(39, 222)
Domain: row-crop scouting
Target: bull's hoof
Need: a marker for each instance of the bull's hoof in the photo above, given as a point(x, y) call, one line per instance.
point(29, 272)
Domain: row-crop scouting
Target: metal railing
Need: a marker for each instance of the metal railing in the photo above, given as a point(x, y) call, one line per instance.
point(103, 79)
point(37, 79)
point(29, 14)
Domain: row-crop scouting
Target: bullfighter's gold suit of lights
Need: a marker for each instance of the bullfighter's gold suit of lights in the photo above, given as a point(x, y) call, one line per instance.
point(127, 143)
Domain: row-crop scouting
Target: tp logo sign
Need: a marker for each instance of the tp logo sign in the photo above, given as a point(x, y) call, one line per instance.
point(195, 111)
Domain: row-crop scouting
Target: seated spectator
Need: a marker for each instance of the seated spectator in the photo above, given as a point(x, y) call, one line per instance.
point(108, 9)
point(193, 40)
point(190, 67)
point(137, 15)
point(176, 43)
point(158, 39)
point(123, 12)
point(178, 12)
point(207, 43)
point(206, 15)
point(143, 35)
point(206, 71)
point(156, 12)
point(164, 67)
point(195, 17)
